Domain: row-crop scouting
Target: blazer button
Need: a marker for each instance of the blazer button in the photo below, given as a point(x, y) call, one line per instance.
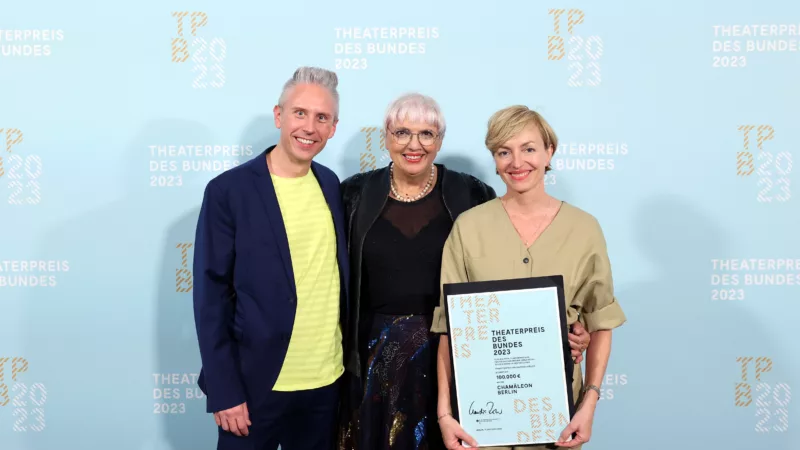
point(526, 260)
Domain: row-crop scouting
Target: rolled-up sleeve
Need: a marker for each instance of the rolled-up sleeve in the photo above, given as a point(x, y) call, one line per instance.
point(453, 271)
point(595, 297)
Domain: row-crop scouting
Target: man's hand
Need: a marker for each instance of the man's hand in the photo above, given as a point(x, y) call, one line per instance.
point(578, 341)
point(236, 420)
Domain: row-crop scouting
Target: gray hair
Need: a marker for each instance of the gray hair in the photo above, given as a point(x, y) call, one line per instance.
point(313, 75)
point(415, 107)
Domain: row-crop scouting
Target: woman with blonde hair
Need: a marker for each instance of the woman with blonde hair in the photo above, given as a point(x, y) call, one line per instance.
point(399, 217)
point(528, 233)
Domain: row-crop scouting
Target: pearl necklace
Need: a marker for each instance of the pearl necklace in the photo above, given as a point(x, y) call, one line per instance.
point(405, 198)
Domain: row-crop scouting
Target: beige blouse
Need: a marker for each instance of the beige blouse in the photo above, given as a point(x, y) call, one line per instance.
point(484, 245)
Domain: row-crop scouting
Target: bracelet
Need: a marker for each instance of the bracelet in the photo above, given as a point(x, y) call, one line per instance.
point(444, 415)
point(592, 387)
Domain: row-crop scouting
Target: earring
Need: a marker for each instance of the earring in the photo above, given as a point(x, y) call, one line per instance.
point(497, 172)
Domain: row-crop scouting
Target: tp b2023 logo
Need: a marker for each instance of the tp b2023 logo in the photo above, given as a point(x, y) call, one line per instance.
point(27, 400)
point(21, 172)
point(582, 52)
point(773, 169)
point(209, 70)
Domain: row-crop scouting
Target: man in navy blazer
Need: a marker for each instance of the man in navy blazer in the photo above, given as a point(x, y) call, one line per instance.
point(270, 282)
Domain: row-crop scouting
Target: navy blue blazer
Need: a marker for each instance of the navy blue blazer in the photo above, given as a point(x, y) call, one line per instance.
point(245, 298)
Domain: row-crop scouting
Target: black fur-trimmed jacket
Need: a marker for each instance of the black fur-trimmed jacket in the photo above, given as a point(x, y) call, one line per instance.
point(364, 196)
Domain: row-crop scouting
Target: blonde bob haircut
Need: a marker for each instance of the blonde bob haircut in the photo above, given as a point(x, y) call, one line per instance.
point(508, 122)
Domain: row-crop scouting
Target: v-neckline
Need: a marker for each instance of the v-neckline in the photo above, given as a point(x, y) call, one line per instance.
point(545, 230)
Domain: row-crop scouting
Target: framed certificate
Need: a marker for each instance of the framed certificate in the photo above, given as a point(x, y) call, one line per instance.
point(511, 361)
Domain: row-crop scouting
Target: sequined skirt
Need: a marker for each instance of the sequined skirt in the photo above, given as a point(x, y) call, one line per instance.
point(396, 405)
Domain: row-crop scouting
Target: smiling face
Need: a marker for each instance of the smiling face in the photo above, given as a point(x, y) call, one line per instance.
point(522, 160)
point(522, 144)
point(306, 120)
point(413, 147)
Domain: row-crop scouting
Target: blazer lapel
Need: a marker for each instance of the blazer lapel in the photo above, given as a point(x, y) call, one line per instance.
point(266, 190)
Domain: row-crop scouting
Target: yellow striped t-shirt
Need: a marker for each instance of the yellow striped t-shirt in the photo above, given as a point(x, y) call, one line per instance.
point(314, 358)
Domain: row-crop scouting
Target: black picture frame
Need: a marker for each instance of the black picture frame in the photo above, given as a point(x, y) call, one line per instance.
point(514, 284)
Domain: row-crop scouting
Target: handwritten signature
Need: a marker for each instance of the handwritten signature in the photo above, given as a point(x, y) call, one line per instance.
point(490, 409)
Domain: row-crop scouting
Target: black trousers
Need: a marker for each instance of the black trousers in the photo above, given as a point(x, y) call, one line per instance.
point(299, 420)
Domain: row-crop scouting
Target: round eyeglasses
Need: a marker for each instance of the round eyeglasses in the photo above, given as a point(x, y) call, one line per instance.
point(403, 137)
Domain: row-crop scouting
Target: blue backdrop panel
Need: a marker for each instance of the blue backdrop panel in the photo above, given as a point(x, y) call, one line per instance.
point(677, 124)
